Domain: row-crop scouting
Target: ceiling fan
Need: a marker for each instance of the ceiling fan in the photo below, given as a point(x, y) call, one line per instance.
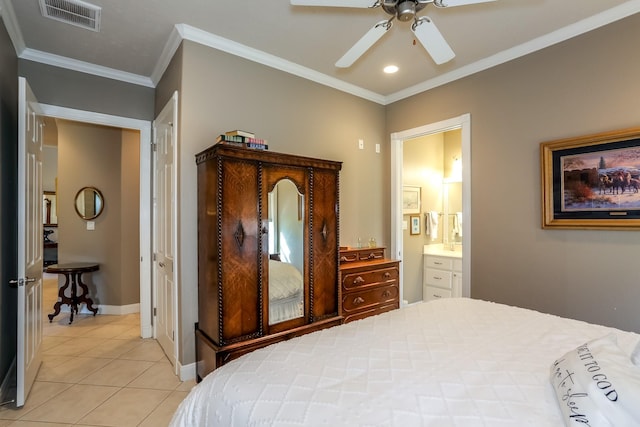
point(404, 10)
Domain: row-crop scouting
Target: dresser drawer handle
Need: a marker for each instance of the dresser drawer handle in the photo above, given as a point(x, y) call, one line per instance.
point(386, 294)
point(358, 280)
point(438, 263)
point(437, 296)
point(358, 300)
point(437, 277)
point(345, 258)
point(387, 275)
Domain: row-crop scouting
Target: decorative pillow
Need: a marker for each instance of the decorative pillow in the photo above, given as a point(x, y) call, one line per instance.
point(597, 385)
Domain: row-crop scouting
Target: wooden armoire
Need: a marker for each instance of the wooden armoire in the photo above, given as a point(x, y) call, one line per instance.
point(235, 215)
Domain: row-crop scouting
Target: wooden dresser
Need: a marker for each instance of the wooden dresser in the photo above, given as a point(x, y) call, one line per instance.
point(369, 283)
point(240, 199)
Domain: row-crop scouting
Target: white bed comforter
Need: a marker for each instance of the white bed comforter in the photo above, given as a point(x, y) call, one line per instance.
point(451, 362)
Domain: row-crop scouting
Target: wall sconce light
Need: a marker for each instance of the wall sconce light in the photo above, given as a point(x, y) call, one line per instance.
point(456, 171)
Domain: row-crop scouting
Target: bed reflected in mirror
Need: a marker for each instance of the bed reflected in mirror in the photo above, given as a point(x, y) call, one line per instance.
point(286, 252)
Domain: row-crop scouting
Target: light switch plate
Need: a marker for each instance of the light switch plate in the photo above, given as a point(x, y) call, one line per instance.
point(91, 225)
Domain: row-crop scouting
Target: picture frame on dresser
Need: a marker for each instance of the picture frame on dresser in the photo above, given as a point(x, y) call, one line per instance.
point(414, 227)
point(411, 197)
point(592, 181)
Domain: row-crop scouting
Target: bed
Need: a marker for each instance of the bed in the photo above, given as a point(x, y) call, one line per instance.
point(450, 362)
point(286, 292)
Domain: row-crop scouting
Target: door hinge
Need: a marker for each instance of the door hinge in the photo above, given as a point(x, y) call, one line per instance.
point(173, 335)
point(155, 257)
point(155, 312)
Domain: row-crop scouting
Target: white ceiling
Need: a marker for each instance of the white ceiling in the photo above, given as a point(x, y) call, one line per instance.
point(137, 38)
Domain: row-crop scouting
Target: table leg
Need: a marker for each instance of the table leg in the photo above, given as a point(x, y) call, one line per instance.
point(74, 296)
point(84, 297)
point(62, 299)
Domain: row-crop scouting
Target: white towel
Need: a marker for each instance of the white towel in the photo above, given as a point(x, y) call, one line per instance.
point(433, 224)
point(457, 224)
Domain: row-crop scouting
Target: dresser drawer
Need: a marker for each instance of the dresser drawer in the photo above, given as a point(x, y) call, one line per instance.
point(361, 254)
point(367, 278)
point(370, 254)
point(371, 298)
point(361, 314)
point(438, 262)
point(439, 278)
point(431, 293)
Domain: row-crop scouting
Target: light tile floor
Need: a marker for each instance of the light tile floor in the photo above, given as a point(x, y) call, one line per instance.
point(98, 372)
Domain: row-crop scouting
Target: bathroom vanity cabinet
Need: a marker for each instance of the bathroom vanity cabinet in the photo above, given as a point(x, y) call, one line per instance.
point(442, 276)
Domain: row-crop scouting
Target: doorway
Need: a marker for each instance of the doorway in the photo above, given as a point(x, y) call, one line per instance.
point(144, 129)
point(463, 123)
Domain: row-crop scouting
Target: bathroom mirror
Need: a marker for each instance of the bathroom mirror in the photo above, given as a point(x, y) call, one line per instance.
point(89, 203)
point(286, 252)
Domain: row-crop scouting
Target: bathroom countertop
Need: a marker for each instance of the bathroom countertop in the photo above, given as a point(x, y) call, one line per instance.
point(441, 250)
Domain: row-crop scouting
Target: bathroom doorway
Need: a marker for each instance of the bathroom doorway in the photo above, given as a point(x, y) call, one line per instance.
point(402, 220)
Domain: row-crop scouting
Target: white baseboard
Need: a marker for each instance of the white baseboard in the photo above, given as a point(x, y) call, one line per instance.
point(187, 372)
point(117, 310)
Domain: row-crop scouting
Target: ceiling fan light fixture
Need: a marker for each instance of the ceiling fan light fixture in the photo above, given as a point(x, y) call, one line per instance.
point(406, 10)
point(390, 69)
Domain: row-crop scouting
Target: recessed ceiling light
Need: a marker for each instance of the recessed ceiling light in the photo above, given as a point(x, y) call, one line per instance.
point(390, 69)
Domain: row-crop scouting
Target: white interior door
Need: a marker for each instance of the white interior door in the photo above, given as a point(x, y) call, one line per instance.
point(164, 229)
point(30, 241)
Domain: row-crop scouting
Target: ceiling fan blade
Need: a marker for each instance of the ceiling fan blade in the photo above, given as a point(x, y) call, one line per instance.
point(453, 3)
point(362, 45)
point(335, 3)
point(432, 40)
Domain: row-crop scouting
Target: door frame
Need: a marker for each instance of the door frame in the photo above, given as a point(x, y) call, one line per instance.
point(144, 126)
point(462, 122)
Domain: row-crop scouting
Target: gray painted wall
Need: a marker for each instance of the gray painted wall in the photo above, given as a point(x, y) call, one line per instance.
point(108, 159)
point(8, 196)
point(585, 85)
point(72, 89)
point(221, 92)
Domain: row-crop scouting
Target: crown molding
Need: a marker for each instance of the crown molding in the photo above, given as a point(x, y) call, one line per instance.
point(11, 23)
point(196, 35)
point(167, 55)
point(596, 21)
point(85, 67)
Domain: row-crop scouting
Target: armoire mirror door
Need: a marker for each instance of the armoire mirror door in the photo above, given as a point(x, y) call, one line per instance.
point(285, 248)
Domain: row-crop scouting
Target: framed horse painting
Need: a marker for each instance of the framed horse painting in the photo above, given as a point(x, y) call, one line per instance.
point(592, 182)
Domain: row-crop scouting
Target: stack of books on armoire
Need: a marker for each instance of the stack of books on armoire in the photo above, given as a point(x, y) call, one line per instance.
point(242, 138)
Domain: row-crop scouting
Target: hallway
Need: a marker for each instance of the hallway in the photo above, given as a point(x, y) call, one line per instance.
point(98, 372)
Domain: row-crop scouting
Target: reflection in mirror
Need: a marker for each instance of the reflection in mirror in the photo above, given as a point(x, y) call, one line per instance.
point(49, 208)
point(286, 252)
point(89, 203)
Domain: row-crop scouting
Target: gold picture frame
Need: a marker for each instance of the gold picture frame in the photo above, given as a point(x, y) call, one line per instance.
point(592, 181)
point(414, 224)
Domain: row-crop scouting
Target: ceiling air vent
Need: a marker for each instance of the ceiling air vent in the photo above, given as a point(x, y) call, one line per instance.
point(74, 12)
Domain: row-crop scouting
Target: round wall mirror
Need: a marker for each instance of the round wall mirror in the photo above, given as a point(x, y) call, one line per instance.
point(89, 203)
